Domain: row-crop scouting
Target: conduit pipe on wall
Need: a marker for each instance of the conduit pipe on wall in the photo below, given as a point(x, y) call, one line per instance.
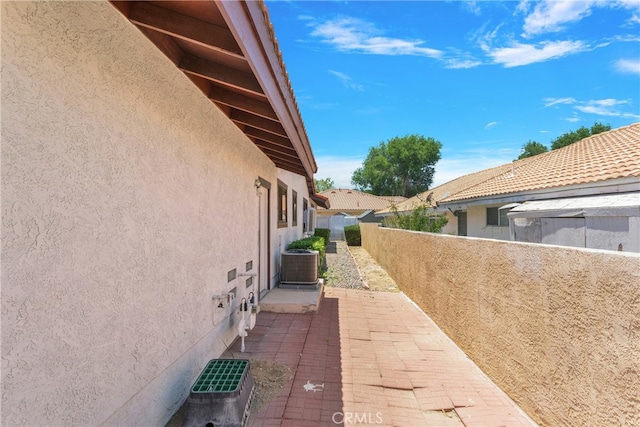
point(247, 319)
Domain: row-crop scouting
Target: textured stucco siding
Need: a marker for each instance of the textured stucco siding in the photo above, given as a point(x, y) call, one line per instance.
point(557, 328)
point(126, 198)
point(452, 225)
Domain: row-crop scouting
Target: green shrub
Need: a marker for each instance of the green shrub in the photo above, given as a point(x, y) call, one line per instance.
point(352, 235)
point(419, 219)
point(314, 243)
point(325, 233)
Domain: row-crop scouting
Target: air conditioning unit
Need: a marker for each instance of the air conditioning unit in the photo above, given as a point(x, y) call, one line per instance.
point(299, 267)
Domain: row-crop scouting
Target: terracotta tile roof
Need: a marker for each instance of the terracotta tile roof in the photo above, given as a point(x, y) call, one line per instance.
point(341, 199)
point(606, 156)
point(395, 199)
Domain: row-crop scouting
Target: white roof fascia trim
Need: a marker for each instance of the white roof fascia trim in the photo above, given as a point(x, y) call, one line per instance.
point(622, 185)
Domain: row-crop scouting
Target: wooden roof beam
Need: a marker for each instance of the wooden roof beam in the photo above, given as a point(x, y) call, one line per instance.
point(184, 27)
point(247, 119)
point(241, 102)
point(221, 74)
point(291, 167)
point(166, 44)
point(268, 137)
point(277, 153)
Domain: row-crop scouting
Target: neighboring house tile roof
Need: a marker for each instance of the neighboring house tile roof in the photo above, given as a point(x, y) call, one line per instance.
point(395, 199)
point(341, 199)
point(603, 157)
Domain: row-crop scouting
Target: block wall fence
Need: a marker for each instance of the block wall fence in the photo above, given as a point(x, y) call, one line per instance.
point(557, 328)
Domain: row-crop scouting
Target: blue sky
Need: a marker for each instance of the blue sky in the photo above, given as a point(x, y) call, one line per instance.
point(483, 78)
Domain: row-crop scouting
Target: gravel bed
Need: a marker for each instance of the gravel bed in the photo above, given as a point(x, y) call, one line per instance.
point(342, 271)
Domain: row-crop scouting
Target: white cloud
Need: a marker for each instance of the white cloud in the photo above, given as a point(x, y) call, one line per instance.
point(485, 40)
point(355, 35)
point(634, 6)
point(628, 66)
point(631, 4)
point(524, 54)
point(609, 102)
point(339, 169)
point(491, 124)
point(455, 64)
point(347, 81)
point(549, 102)
point(523, 6)
point(551, 15)
point(601, 107)
point(606, 107)
point(456, 59)
point(471, 6)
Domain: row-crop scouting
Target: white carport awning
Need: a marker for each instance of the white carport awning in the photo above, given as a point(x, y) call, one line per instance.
point(625, 204)
point(509, 206)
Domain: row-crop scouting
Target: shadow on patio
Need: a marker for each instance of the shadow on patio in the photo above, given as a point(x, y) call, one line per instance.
point(372, 358)
point(309, 345)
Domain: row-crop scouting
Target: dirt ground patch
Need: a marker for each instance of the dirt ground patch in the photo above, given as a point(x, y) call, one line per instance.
point(374, 276)
point(269, 378)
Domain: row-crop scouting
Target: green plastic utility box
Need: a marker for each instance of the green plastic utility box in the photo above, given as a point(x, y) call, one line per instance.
point(221, 395)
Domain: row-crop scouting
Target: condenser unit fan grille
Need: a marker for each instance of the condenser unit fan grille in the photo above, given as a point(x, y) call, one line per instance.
point(300, 268)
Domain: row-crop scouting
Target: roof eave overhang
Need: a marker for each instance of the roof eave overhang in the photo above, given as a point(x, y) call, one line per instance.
point(229, 51)
point(248, 22)
point(320, 200)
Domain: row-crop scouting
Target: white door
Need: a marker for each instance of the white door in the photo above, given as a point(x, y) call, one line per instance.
point(263, 241)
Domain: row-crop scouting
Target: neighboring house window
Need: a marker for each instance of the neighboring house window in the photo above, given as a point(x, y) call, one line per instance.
point(497, 217)
point(282, 205)
point(305, 214)
point(294, 208)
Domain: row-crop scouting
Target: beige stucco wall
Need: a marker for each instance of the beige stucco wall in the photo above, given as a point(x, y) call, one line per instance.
point(477, 223)
point(557, 328)
point(126, 198)
point(452, 226)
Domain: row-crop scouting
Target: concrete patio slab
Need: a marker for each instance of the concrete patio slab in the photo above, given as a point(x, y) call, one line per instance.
point(287, 300)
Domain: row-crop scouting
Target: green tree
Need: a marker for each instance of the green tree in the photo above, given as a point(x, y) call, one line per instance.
point(532, 148)
point(324, 184)
point(576, 135)
point(400, 166)
point(419, 219)
point(599, 128)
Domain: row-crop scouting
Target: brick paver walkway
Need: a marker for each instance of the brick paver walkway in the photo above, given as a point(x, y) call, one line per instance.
point(372, 358)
